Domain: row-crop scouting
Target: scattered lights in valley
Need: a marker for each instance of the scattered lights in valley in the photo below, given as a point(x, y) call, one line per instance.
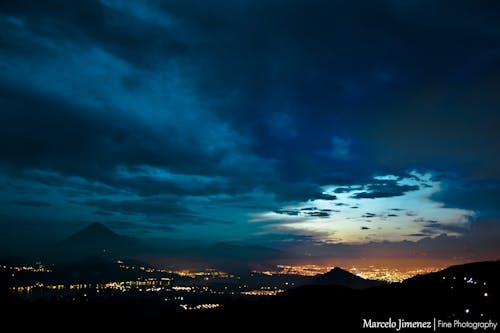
point(370, 272)
point(262, 292)
point(204, 306)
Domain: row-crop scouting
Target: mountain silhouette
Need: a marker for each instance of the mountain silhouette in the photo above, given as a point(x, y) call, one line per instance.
point(340, 277)
point(95, 231)
point(475, 271)
point(466, 292)
point(97, 240)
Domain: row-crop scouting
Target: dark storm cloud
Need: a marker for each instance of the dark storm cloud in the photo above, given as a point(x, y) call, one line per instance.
point(373, 195)
point(138, 41)
point(342, 190)
point(311, 211)
point(384, 190)
point(418, 234)
point(48, 133)
point(268, 82)
point(326, 196)
point(291, 212)
point(443, 228)
point(480, 196)
point(148, 186)
point(39, 132)
point(318, 214)
point(293, 191)
point(251, 64)
point(148, 207)
point(31, 203)
point(353, 66)
point(121, 225)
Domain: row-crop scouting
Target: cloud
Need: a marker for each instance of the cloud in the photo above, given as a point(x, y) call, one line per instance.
point(132, 228)
point(439, 228)
point(228, 106)
point(148, 207)
point(418, 234)
point(318, 214)
point(342, 190)
point(79, 141)
point(384, 189)
point(421, 216)
point(480, 196)
point(290, 212)
point(31, 203)
point(136, 39)
point(341, 148)
point(308, 211)
point(480, 242)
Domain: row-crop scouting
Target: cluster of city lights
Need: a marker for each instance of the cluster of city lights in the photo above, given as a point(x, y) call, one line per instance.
point(391, 274)
point(369, 272)
point(304, 270)
point(204, 306)
point(38, 267)
point(262, 292)
point(209, 272)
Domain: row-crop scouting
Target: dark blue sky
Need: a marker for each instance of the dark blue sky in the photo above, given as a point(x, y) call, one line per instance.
point(286, 123)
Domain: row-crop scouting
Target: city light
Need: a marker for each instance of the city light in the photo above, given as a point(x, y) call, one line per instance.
point(370, 272)
point(204, 306)
point(262, 292)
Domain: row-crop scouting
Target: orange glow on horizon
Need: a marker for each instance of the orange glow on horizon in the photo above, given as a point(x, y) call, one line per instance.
point(390, 270)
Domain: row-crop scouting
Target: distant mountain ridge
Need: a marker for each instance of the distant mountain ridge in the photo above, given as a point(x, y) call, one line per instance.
point(97, 230)
point(338, 276)
point(481, 270)
point(97, 240)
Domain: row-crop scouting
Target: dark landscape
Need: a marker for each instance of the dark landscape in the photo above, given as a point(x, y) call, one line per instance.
point(102, 290)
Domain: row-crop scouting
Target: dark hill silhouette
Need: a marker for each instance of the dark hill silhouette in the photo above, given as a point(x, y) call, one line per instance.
point(98, 232)
point(473, 272)
point(340, 277)
point(97, 240)
point(465, 292)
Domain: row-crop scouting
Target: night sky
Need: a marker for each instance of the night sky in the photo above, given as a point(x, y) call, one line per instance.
point(324, 127)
